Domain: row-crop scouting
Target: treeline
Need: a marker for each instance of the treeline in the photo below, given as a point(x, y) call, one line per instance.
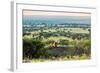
point(33, 27)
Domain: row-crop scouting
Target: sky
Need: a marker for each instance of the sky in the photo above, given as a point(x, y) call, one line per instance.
point(48, 13)
point(56, 17)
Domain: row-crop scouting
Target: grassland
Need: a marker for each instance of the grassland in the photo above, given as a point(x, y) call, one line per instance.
point(57, 44)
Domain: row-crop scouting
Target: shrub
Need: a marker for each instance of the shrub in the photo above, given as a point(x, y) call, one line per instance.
point(32, 48)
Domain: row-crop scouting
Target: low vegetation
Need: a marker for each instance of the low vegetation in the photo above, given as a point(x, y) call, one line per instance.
point(48, 44)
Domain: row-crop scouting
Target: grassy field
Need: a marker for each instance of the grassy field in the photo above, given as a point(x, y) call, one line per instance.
point(83, 57)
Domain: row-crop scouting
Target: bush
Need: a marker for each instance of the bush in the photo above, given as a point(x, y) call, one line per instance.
point(32, 48)
point(27, 48)
point(64, 42)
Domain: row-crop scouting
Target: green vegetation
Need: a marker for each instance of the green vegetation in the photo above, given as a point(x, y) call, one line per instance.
point(56, 43)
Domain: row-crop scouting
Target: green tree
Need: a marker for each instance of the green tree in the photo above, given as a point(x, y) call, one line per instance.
point(27, 48)
point(32, 48)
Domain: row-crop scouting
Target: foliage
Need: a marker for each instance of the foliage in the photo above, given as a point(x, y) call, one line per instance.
point(57, 43)
point(32, 48)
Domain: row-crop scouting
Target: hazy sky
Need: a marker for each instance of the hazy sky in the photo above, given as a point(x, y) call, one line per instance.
point(48, 13)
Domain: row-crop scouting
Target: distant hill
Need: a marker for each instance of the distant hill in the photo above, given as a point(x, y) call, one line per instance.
point(56, 20)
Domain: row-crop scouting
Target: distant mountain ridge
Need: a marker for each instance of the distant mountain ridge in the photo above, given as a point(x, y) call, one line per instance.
point(39, 20)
